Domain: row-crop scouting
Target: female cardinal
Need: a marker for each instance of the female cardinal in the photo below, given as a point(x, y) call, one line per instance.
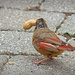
point(46, 42)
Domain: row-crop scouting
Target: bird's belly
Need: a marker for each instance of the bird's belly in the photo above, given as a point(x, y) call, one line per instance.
point(53, 54)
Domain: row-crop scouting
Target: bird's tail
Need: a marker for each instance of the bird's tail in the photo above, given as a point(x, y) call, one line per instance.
point(68, 48)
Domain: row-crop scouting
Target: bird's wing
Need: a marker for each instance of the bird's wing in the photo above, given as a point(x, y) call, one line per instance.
point(54, 41)
point(49, 41)
point(68, 48)
point(45, 45)
point(48, 46)
point(50, 38)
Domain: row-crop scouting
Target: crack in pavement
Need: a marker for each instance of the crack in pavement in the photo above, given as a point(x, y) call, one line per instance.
point(3, 64)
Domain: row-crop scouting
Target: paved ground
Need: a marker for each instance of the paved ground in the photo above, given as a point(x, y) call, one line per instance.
point(16, 51)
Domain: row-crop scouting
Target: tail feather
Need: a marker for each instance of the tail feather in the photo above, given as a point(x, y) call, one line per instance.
point(68, 48)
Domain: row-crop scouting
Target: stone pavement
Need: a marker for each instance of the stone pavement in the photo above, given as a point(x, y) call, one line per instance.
point(16, 51)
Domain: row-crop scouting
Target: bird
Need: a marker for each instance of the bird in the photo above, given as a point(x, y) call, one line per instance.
point(47, 43)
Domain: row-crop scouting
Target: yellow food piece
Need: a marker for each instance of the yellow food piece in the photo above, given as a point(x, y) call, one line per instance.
point(11, 63)
point(57, 33)
point(28, 24)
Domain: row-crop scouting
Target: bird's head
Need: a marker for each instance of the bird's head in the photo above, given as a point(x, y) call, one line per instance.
point(40, 23)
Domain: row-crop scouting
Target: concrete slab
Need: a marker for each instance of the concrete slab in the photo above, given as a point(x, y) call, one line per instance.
point(12, 42)
point(14, 19)
point(20, 4)
point(23, 65)
point(59, 5)
point(68, 26)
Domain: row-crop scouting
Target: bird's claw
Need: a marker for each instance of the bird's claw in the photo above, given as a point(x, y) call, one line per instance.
point(39, 63)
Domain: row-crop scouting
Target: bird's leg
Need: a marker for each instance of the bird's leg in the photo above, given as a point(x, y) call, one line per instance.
point(50, 57)
point(40, 62)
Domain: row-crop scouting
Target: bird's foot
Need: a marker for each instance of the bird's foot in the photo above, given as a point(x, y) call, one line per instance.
point(40, 62)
